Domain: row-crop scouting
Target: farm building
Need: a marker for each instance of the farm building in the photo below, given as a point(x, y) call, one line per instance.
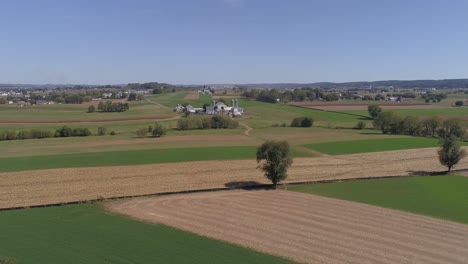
point(214, 108)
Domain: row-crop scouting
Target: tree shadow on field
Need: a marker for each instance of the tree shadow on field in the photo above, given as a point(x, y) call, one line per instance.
point(427, 173)
point(247, 185)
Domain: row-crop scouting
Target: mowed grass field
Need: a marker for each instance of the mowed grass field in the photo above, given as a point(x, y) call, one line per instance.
point(88, 234)
point(374, 145)
point(443, 197)
point(261, 115)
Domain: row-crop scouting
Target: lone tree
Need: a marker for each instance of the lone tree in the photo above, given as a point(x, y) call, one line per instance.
point(274, 158)
point(450, 152)
point(374, 110)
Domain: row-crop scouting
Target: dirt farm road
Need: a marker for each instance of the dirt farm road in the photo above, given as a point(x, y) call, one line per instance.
point(41, 187)
point(307, 228)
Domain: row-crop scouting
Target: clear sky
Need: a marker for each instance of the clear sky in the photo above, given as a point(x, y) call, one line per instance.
point(231, 41)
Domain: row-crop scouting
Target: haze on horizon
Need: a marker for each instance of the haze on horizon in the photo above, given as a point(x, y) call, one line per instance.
point(231, 41)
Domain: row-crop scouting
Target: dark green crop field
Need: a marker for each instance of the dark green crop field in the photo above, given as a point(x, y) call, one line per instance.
point(443, 197)
point(129, 157)
point(374, 145)
point(88, 234)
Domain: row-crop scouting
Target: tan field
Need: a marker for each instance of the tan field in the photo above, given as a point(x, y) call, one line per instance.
point(307, 228)
point(29, 188)
point(192, 96)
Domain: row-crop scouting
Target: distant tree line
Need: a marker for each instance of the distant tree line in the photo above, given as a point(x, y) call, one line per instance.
point(206, 122)
point(157, 88)
point(296, 95)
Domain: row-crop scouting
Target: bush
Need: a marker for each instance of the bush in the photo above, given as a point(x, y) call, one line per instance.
point(459, 103)
point(36, 133)
point(24, 134)
point(112, 133)
point(64, 132)
point(101, 131)
point(361, 125)
point(374, 110)
point(302, 122)
point(159, 130)
point(91, 109)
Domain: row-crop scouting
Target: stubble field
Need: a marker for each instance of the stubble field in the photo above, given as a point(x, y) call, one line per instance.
point(307, 228)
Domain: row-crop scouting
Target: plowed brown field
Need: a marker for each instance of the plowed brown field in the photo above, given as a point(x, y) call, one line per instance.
point(307, 228)
point(41, 187)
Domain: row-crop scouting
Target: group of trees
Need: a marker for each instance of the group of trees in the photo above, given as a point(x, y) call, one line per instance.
point(302, 122)
point(110, 106)
point(61, 132)
point(69, 132)
point(157, 130)
point(434, 97)
point(206, 122)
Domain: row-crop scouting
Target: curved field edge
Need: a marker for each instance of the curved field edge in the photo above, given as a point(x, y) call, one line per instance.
point(87, 233)
point(442, 197)
point(374, 145)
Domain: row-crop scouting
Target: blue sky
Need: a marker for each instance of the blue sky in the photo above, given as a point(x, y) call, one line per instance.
point(231, 41)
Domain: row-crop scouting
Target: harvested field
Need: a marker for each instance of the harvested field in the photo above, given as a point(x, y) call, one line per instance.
point(307, 228)
point(29, 188)
point(192, 96)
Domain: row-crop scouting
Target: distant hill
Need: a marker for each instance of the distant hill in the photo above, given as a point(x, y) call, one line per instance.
point(439, 84)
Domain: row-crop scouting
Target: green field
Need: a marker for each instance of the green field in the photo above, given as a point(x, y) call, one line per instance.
point(129, 157)
point(374, 145)
point(443, 197)
point(88, 234)
point(459, 112)
point(267, 114)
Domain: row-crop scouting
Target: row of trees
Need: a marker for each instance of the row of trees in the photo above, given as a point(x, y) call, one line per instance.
point(390, 122)
point(61, 132)
point(206, 122)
